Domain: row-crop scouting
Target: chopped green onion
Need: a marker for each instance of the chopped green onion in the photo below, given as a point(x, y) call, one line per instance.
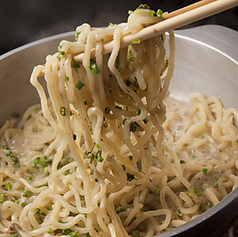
point(41, 162)
point(143, 6)
point(9, 186)
point(152, 13)
point(137, 41)
point(46, 170)
point(119, 209)
point(34, 130)
point(136, 233)
point(209, 204)
point(15, 162)
point(77, 35)
point(62, 111)
point(10, 154)
point(26, 193)
point(66, 172)
point(14, 235)
point(66, 231)
point(87, 235)
point(66, 78)
point(201, 209)
point(75, 65)
point(4, 147)
point(93, 67)
point(216, 185)
point(107, 110)
point(13, 200)
point(138, 112)
point(156, 191)
point(2, 198)
point(197, 192)
point(130, 12)
point(61, 53)
point(179, 213)
point(130, 177)
point(99, 158)
point(130, 157)
point(131, 58)
point(79, 85)
point(204, 170)
point(73, 234)
point(111, 24)
point(38, 211)
point(23, 204)
point(133, 126)
point(159, 13)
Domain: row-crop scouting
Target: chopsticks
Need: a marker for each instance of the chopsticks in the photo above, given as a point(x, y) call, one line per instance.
point(173, 20)
point(186, 9)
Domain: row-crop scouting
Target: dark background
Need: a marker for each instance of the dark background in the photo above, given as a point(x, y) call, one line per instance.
point(24, 21)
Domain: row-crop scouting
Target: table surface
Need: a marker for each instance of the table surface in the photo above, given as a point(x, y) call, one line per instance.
point(25, 21)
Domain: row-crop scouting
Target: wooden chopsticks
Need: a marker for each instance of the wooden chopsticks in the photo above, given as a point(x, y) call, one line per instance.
point(186, 9)
point(173, 20)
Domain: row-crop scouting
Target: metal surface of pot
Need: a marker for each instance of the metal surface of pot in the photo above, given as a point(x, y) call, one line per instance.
point(206, 62)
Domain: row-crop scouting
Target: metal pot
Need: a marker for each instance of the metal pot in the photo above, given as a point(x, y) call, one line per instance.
point(206, 61)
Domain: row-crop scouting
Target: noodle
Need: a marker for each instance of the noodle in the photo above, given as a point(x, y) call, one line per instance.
point(107, 152)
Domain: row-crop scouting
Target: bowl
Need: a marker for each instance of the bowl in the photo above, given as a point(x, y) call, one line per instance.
point(206, 61)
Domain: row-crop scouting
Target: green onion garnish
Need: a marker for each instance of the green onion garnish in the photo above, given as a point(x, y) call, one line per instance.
point(99, 158)
point(38, 211)
point(79, 85)
point(152, 13)
point(179, 213)
point(204, 170)
point(159, 13)
point(66, 172)
point(133, 126)
point(156, 191)
point(62, 111)
point(93, 67)
point(209, 204)
point(77, 35)
point(137, 41)
point(2, 198)
point(9, 186)
point(107, 110)
point(26, 193)
point(75, 65)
